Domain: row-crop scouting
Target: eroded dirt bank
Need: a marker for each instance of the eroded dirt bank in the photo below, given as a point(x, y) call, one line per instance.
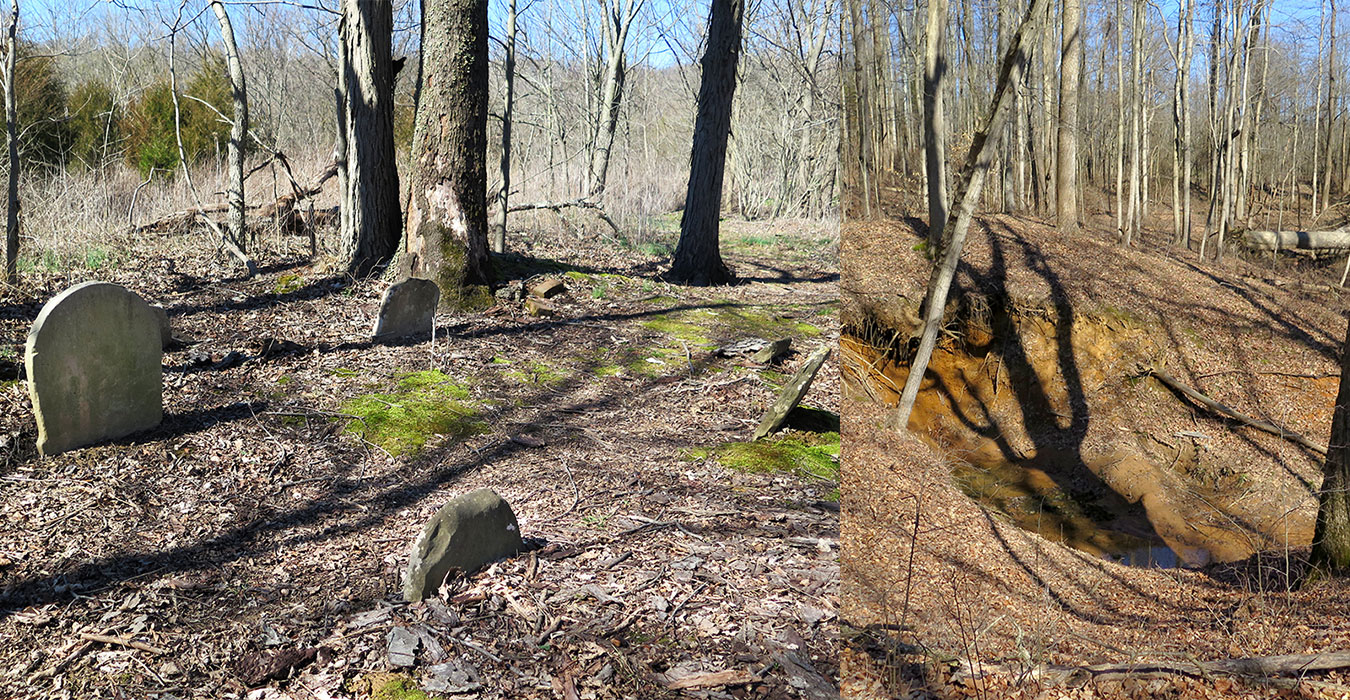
point(1006, 398)
point(1038, 390)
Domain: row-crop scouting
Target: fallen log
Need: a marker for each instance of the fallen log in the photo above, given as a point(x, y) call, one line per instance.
point(1297, 240)
point(282, 208)
point(1258, 423)
point(1260, 668)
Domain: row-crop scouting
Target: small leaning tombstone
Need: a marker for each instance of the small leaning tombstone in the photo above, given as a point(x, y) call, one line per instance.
point(466, 533)
point(94, 363)
point(407, 309)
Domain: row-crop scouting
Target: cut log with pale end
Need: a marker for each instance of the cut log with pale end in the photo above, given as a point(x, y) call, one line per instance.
point(792, 393)
point(1297, 240)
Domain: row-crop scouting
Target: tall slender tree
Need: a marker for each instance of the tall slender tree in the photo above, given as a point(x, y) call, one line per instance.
point(238, 127)
point(969, 186)
point(12, 141)
point(935, 120)
point(1070, 74)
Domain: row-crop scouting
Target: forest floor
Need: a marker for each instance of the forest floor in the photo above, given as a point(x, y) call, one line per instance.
point(261, 528)
point(957, 577)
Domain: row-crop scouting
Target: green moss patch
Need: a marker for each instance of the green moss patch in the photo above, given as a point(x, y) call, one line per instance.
point(725, 322)
point(422, 404)
point(288, 283)
point(391, 686)
point(537, 373)
point(804, 454)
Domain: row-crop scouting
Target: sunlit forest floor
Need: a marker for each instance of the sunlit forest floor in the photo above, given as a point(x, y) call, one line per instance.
point(1060, 507)
point(263, 528)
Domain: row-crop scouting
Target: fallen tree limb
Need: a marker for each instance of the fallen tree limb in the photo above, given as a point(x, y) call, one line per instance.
point(582, 203)
point(1258, 423)
point(120, 641)
point(282, 206)
point(1254, 666)
point(1264, 669)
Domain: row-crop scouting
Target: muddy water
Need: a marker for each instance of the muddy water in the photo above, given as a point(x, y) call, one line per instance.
point(1007, 422)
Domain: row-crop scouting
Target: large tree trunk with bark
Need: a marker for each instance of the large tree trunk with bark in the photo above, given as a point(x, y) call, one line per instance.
point(698, 261)
point(1066, 181)
point(1331, 538)
point(238, 129)
point(372, 219)
point(447, 214)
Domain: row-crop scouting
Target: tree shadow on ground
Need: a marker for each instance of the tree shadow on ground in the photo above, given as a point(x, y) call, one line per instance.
point(348, 502)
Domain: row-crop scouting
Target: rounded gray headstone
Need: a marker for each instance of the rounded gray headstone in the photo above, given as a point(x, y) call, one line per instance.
point(466, 533)
point(407, 308)
point(94, 361)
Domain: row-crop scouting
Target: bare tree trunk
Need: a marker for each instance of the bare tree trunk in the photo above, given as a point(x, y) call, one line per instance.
point(1216, 156)
point(238, 129)
point(12, 140)
point(446, 239)
point(1331, 96)
point(372, 222)
point(1133, 212)
point(1120, 121)
point(1187, 43)
point(223, 238)
point(968, 193)
point(935, 121)
point(509, 68)
point(616, 24)
point(1070, 72)
point(1331, 538)
point(698, 260)
point(1317, 113)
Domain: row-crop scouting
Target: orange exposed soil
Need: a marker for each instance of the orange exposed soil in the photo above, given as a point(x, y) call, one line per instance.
point(1034, 404)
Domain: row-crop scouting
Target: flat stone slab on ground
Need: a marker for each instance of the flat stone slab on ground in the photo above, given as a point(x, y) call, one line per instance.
point(94, 361)
point(407, 308)
point(466, 533)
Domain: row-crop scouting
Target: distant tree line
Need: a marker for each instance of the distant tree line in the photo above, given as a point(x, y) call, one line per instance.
point(85, 125)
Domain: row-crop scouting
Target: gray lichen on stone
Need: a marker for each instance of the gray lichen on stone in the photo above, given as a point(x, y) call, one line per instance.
point(94, 367)
point(466, 533)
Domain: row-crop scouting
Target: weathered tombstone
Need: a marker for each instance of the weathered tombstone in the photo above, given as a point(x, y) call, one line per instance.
point(792, 393)
point(94, 367)
point(772, 351)
point(165, 331)
point(466, 533)
point(407, 308)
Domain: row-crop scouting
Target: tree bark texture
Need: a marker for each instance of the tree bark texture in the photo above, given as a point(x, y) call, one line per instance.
point(1331, 538)
point(1071, 66)
point(935, 121)
point(372, 219)
point(509, 68)
point(239, 129)
point(698, 261)
point(447, 215)
point(12, 140)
